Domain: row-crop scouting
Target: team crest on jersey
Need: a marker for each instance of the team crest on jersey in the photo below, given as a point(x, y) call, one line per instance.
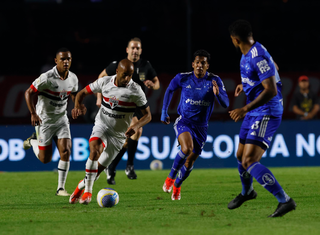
point(142, 77)
point(63, 94)
point(113, 102)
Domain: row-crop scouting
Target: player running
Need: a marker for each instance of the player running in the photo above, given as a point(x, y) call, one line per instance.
point(121, 97)
point(199, 89)
point(50, 116)
point(262, 117)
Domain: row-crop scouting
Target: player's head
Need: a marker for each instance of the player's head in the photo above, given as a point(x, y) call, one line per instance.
point(200, 63)
point(240, 31)
point(63, 60)
point(124, 72)
point(134, 49)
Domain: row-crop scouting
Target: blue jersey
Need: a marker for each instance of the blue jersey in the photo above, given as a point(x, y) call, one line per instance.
point(197, 97)
point(256, 66)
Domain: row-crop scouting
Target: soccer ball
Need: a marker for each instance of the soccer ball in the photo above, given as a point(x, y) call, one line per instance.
point(156, 165)
point(107, 197)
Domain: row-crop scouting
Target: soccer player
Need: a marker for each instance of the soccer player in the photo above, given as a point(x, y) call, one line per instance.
point(50, 116)
point(145, 76)
point(262, 116)
point(199, 89)
point(121, 97)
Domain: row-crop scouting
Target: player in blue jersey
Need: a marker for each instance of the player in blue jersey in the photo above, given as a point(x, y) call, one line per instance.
point(262, 116)
point(199, 89)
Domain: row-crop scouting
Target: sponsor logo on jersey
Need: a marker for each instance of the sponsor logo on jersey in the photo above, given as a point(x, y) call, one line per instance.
point(248, 81)
point(188, 87)
point(112, 115)
point(113, 102)
point(197, 102)
point(54, 84)
point(263, 66)
point(56, 104)
point(63, 94)
point(270, 138)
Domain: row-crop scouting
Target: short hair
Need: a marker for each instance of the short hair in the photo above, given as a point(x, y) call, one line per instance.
point(241, 29)
point(62, 49)
point(202, 53)
point(135, 39)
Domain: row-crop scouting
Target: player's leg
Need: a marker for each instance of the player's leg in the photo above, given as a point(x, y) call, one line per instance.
point(132, 149)
point(186, 142)
point(247, 192)
point(64, 148)
point(111, 169)
point(96, 147)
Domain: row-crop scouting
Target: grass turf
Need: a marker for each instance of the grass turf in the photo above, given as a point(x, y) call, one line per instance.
point(28, 205)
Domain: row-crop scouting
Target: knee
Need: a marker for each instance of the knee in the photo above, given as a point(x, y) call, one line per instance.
point(246, 162)
point(65, 154)
point(187, 150)
point(94, 155)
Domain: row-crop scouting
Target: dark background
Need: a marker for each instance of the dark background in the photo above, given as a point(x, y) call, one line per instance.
point(97, 33)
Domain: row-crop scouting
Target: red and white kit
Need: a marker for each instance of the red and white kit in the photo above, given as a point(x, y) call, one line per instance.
point(115, 114)
point(53, 94)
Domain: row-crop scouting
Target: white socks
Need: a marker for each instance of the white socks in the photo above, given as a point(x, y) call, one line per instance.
point(63, 169)
point(91, 173)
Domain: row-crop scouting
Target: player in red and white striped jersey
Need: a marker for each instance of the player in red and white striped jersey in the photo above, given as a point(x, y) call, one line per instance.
point(49, 117)
point(121, 97)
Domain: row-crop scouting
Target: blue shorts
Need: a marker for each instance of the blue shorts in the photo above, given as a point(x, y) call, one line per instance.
point(198, 133)
point(258, 130)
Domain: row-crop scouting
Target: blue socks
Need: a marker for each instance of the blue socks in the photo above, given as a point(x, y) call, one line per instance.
point(183, 174)
point(246, 180)
point(177, 164)
point(265, 177)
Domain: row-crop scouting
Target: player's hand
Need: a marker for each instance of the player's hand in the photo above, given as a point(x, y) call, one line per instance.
point(215, 87)
point(130, 131)
point(149, 84)
point(237, 114)
point(165, 117)
point(77, 111)
point(35, 120)
point(238, 90)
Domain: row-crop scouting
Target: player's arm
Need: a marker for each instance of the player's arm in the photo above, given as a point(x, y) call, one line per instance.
point(99, 95)
point(146, 118)
point(153, 84)
point(220, 92)
point(79, 108)
point(174, 84)
point(270, 90)
point(29, 96)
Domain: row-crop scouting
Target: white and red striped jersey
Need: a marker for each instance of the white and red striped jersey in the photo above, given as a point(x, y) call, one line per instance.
point(53, 95)
point(118, 104)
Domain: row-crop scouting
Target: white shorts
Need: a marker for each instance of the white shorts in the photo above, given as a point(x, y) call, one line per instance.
point(45, 133)
point(112, 145)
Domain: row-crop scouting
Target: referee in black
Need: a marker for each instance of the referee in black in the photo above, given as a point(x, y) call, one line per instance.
point(145, 76)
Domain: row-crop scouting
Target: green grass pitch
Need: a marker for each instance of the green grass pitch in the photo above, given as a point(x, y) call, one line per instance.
point(28, 205)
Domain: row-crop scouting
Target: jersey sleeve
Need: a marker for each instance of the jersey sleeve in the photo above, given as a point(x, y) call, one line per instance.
point(140, 99)
point(76, 85)
point(151, 72)
point(96, 86)
point(40, 84)
point(111, 68)
point(222, 97)
point(264, 67)
point(174, 85)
